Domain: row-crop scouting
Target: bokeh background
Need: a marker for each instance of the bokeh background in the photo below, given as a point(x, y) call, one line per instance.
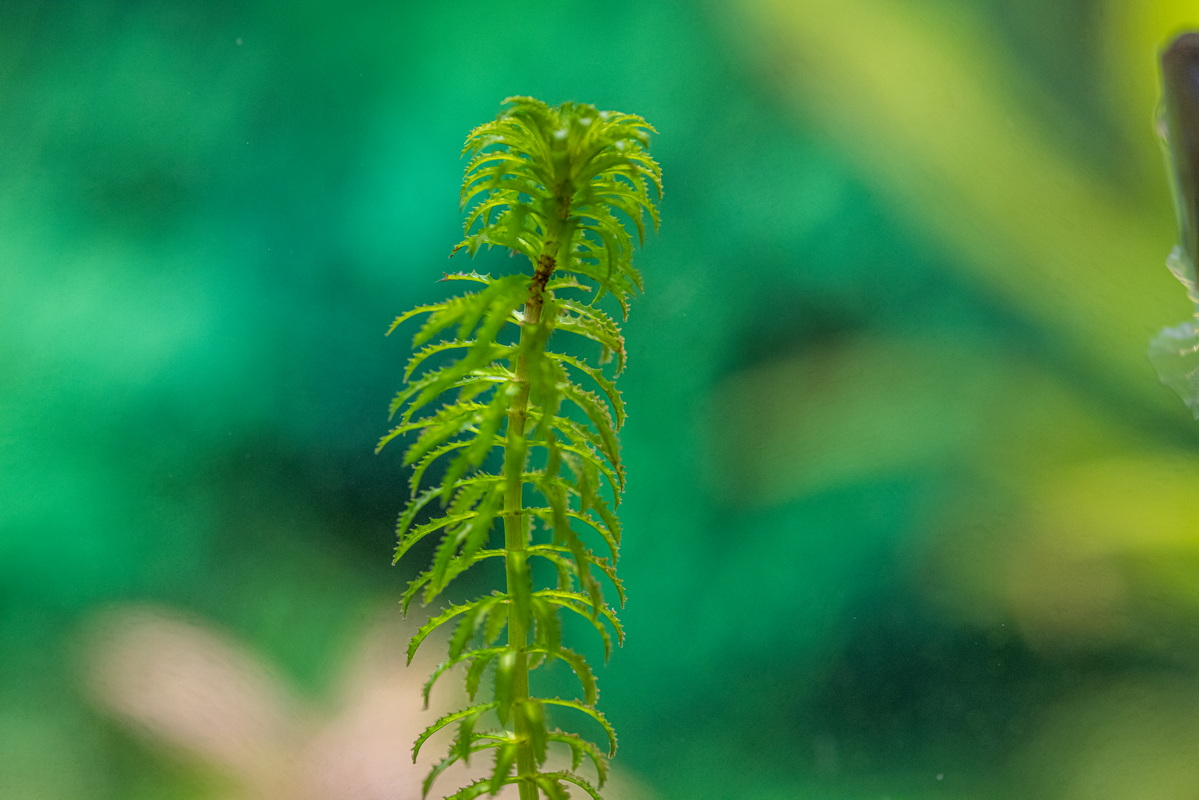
point(909, 514)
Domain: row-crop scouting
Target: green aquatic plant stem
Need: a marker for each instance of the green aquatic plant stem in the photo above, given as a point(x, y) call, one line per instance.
point(516, 558)
point(519, 581)
point(513, 369)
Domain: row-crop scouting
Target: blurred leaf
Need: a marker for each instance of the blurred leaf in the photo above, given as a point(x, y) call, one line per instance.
point(924, 103)
point(1116, 741)
point(856, 411)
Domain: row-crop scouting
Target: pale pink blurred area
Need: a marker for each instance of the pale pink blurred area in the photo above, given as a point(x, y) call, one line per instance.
point(188, 687)
point(197, 692)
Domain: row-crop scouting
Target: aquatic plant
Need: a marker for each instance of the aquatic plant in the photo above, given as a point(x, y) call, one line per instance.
point(510, 393)
point(1175, 351)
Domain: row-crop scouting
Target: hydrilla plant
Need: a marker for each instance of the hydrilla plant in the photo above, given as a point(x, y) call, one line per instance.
point(510, 399)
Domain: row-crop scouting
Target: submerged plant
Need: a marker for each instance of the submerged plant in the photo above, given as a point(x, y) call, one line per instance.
point(508, 394)
point(1175, 351)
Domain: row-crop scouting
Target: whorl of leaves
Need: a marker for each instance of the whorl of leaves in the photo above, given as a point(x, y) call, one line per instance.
point(511, 414)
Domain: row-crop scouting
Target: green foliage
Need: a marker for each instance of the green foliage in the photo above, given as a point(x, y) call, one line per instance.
point(1174, 352)
point(525, 437)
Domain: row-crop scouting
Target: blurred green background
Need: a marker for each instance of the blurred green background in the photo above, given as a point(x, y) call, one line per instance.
point(909, 514)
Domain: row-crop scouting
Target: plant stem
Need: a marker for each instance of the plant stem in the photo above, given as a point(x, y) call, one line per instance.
point(516, 538)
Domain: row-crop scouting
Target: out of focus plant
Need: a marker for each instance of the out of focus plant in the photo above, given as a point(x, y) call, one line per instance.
point(524, 434)
point(1175, 351)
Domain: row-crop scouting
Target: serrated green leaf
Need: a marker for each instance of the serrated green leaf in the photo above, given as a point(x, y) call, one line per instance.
point(577, 781)
point(470, 491)
point(414, 312)
point(450, 420)
point(534, 717)
point(467, 276)
point(505, 759)
point(547, 633)
point(445, 314)
point(469, 623)
point(551, 787)
point(593, 261)
point(505, 666)
point(592, 456)
point(478, 788)
point(466, 380)
point(458, 511)
point(555, 491)
point(567, 568)
point(474, 677)
point(581, 437)
point(457, 567)
point(418, 470)
point(580, 748)
point(619, 196)
point(452, 717)
point(612, 232)
point(591, 712)
point(565, 282)
point(608, 526)
point(485, 439)
point(450, 759)
point(472, 375)
point(420, 532)
point(605, 385)
point(466, 736)
point(503, 297)
point(463, 540)
point(582, 605)
point(554, 554)
point(436, 622)
point(581, 669)
point(445, 666)
point(493, 626)
point(492, 351)
point(591, 323)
